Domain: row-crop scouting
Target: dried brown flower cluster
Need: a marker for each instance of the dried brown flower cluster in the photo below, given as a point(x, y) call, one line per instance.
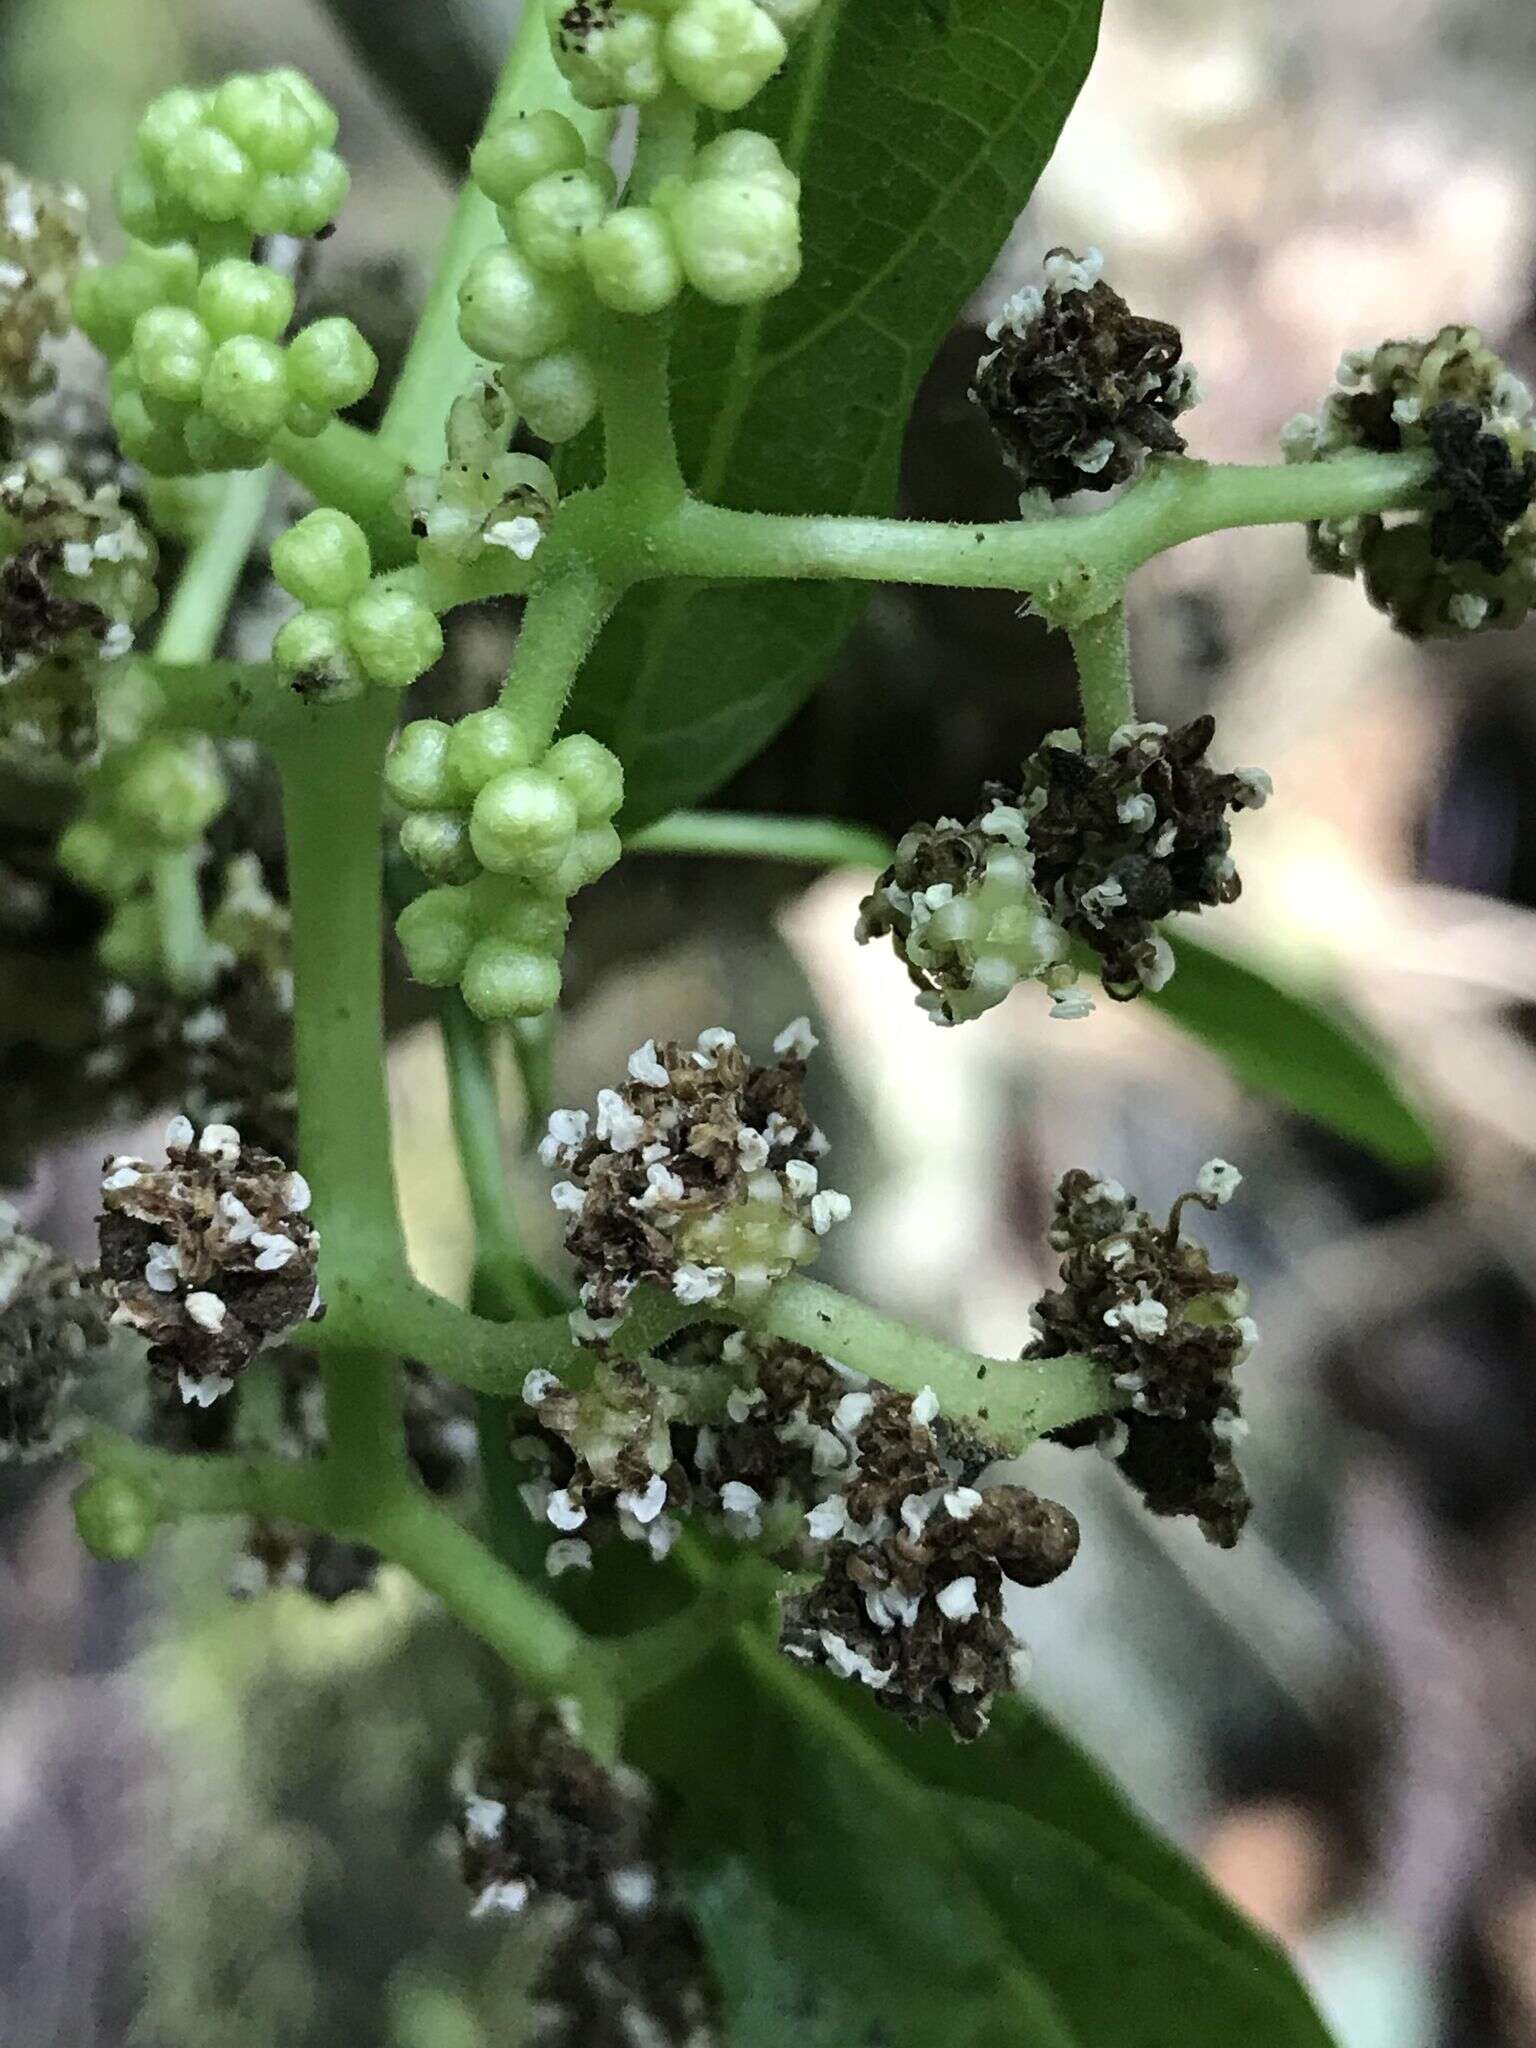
point(1467, 560)
point(51, 1321)
point(209, 1257)
point(1142, 1297)
point(1079, 389)
point(1092, 848)
point(601, 1463)
point(551, 1836)
point(42, 241)
point(698, 1174)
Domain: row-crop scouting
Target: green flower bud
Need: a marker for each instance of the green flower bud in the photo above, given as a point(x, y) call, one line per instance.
point(300, 202)
point(508, 312)
point(790, 15)
point(531, 917)
point(160, 449)
point(171, 353)
point(306, 420)
point(416, 772)
point(746, 157)
point(323, 120)
point(516, 153)
point(548, 221)
point(437, 842)
point(116, 1517)
point(91, 853)
point(632, 262)
point(501, 980)
point(739, 243)
point(593, 775)
point(246, 388)
point(436, 932)
point(172, 789)
point(557, 395)
point(330, 365)
point(236, 297)
point(482, 745)
point(210, 174)
point(266, 117)
point(129, 948)
point(323, 560)
point(212, 447)
point(109, 301)
point(165, 120)
point(394, 635)
point(608, 59)
point(523, 823)
point(146, 209)
point(313, 651)
point(723, 51)
point(593, 852)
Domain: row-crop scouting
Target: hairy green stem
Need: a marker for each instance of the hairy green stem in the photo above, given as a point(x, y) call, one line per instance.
point(501, 1271)
point(744, 835)
point(1009, 1401)
point(357, 474)
point(195, 616)
point(185, 951)
point(1101, 647)
point(1074, 564)
point(564, 617)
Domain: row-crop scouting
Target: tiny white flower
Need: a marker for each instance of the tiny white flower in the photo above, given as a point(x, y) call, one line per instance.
point(962, 1503)
point(296, 1193)
point(850, 1663)
point(1160, 972)
point(520, 536)
point(221, 1143)
point(661, 1535)
point(633, 1890)
point(1218, 1180)
point(1255, 785)
point(1138, 811)
point(925, 1408)
point(590, 1329)
point(796, 1040)
point(739, 1499)
point(917, 1511)
point(851, 1413)
point(274, 1248)
point(1095, 457)
point(569, 1199)
point(740, 1402)
point(827, 1208)
point(483, 1818)
point(570, 1554)
point(617, 1123)
point(1467, 609)
point(202, 1393)
point(801, 1178)
point(751, 1149)
point(1021, 1662)
point(119, 1178)
point(1248, 1331)
point(1141, 1318)
point(1113, 1440)
point(645, 1506)
point(567, 1129)
point(242, 1224)
point(1006, 821)
point(510, 1896)
point(779, 1130)
point(715, 1040)
point(179, 1133)
point(957, 1600)
point(563, 1511)
point(694, 1284)
point(206, 1310)
point(1230, 1429)
point(1068, 1005)
point(538, 1387)
point(162, 1269)
point(827, 1521)
point(646, 1067)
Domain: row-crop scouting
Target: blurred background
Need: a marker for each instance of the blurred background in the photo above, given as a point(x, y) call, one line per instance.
point(221, 1822)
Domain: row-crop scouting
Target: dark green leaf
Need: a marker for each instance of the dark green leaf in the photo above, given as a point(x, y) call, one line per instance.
point(919, 134)
point(889, 1889)
point(1298, 1049)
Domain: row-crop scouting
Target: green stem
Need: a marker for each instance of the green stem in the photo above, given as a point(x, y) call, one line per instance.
point(195, 616)
point(563, 619)
point(438, 365)
point(347, 468)
point(503, 1285)
point(1010, 1401)
point(644, 480)
point(332, 812)
point(184, 947)
point(183, 1485)
point(817, 842)
point(1102, 648)
point(533, 1048)
point(1079, 561)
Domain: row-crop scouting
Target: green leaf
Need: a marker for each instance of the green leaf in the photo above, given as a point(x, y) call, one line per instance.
point(1306, 1053)
point(862, 1885)
point(918, 133)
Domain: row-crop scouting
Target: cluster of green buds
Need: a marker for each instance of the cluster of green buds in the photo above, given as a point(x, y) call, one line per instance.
point(719, 52)
point(201, 378)
point(730, 228)
point(355, 628)
point(510, 832)
point(77, 574)
point(42, 229)
point(1467, 560)
point(484, 496)
point(154, 797)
